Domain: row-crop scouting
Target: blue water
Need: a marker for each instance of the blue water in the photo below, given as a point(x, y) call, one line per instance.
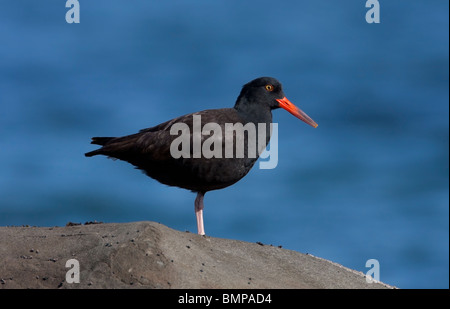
point(371, 182)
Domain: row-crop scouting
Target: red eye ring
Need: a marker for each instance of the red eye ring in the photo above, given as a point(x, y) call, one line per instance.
point(269, 87)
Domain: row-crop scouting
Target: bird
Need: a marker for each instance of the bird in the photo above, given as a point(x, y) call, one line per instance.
point(156, 150)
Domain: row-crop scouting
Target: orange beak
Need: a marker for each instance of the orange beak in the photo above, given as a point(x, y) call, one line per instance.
point(297, 112)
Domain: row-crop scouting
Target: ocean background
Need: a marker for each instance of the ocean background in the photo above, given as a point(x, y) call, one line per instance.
point(371, 182)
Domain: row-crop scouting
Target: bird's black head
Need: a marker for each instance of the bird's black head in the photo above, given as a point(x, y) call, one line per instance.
point(263, 94)
point(261, 91)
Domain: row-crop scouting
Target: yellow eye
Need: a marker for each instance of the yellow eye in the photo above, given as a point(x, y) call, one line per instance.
point(269, 87)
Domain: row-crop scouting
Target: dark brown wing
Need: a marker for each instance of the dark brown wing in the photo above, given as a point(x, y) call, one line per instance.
point(149, 150)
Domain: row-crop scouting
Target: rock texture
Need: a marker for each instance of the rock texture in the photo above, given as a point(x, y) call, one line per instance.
point(151, 255)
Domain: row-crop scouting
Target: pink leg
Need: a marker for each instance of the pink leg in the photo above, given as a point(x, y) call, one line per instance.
point(199, 212)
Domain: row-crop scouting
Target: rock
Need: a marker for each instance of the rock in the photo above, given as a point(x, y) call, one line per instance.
point(151, 255)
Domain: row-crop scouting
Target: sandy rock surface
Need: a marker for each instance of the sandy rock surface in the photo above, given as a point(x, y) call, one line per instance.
point(151, 255)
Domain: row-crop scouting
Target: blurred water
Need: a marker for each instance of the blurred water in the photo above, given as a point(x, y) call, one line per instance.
point(370, 182)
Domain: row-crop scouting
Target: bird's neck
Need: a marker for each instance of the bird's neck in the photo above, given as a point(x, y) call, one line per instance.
point(253, 112)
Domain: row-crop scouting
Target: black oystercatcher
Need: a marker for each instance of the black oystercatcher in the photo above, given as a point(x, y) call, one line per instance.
point(150, 149)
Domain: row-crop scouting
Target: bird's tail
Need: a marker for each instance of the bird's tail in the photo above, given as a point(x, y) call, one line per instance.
point(101, 140)
point(98, 141)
